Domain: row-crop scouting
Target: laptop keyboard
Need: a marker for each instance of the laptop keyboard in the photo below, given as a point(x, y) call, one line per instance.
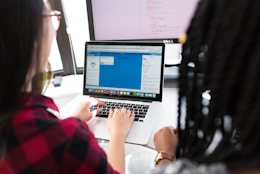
point(140, 110)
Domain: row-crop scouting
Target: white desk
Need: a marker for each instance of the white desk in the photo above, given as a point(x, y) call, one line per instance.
point(72, 86)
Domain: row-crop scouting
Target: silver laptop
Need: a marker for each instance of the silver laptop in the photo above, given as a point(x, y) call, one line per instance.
point(125, 74)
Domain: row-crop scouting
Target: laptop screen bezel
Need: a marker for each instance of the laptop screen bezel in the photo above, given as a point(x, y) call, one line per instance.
point(138, 98)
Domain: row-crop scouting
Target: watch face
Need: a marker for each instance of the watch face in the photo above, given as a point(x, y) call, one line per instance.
point(158, 158)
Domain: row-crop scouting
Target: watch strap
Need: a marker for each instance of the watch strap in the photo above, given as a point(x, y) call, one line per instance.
point(163, 155)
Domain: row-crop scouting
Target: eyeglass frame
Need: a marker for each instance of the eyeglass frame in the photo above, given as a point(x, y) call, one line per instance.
point(54, 13)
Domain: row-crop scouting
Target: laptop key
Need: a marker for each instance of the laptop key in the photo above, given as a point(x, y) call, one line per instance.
point(102, 115)
point(139, 110)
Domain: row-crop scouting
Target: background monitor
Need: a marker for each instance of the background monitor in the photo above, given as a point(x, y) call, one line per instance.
point(139, 19)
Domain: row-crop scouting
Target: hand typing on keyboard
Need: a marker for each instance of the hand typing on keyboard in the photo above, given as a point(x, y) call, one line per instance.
point(120, 121)
point(84, 112)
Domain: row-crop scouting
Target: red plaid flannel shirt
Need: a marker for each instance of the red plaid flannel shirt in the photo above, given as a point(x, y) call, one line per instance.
point(39, 142)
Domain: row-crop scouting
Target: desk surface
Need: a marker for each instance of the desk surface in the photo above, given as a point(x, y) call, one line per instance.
point(72, 86)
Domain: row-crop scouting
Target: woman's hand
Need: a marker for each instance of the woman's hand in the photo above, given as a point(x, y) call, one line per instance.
point(120, 121)
point(166, 140)
point(83, 110)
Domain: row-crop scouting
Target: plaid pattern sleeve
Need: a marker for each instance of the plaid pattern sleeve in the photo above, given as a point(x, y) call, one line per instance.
point(38, 142)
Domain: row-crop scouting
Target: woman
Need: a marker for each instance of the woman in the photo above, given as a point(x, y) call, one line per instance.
point(219, 98)
point(32, 138)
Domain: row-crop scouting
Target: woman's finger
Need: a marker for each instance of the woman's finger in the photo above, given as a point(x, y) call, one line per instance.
point(111, 112)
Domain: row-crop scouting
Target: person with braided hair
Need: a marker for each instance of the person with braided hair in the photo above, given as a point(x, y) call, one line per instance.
point(219, 98)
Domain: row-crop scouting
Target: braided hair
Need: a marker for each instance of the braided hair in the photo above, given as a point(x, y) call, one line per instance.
point(219, 97)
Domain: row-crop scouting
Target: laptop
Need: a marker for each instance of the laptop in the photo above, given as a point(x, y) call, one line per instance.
point(125, 74)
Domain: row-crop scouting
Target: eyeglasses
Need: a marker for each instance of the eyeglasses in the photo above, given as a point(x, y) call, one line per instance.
point(55, 18)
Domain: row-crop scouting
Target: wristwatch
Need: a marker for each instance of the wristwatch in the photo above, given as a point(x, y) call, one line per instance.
point(163, 155)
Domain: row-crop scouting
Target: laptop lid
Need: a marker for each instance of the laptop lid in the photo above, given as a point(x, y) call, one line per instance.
point(124, 70)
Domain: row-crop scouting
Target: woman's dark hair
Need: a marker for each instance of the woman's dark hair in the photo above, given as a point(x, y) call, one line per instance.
point(219, 96)
point(20, 35)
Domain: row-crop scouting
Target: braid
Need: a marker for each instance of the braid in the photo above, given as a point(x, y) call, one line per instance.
point(221, 60)
point(186, 82)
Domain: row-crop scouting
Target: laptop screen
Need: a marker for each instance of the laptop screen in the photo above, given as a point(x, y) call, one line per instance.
point(123, 69)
